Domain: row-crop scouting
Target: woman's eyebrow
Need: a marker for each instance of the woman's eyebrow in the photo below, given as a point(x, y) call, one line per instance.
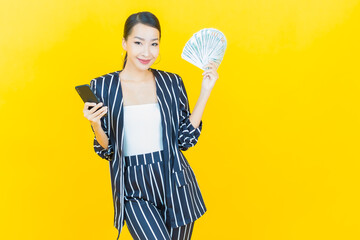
point(144, 39)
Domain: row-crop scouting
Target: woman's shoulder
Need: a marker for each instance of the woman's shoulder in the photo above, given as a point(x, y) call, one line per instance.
point(101, 84)
point(105, 80)
point(107, 76)
point(169, 75)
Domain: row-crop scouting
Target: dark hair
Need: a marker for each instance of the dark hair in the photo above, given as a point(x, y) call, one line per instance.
point(146, 18)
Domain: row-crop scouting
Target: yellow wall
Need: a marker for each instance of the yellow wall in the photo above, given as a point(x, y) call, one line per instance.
point(278, 157)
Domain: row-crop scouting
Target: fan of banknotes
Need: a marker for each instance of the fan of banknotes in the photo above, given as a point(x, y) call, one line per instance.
point(208, 44)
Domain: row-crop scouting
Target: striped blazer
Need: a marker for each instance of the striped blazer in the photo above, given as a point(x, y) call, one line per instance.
point(183, 199)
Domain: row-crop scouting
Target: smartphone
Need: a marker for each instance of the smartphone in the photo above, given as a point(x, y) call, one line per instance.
point(87, 95)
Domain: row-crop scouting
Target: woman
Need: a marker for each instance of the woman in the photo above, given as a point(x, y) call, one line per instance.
point(148, 122)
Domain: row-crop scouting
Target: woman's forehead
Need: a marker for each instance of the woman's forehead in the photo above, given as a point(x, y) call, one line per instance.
point(144, 32)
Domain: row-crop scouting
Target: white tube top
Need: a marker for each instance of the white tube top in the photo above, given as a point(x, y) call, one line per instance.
point(143, 130)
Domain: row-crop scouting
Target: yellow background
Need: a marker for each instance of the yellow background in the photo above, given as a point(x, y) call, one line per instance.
point(278, 157)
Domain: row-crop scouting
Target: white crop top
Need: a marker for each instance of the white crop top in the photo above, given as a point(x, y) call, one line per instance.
point(143, 130)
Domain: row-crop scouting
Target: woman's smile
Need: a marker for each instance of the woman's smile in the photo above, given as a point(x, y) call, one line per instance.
point(144, 61)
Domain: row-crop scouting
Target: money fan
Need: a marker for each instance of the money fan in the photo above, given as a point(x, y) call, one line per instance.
point(208, 44)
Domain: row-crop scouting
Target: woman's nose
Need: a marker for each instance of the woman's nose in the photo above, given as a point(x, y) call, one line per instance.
point(146, 51)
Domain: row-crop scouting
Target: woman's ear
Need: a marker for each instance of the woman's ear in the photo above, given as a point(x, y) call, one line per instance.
point(124, 44)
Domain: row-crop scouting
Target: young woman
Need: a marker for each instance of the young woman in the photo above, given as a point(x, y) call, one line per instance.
point(148, 124)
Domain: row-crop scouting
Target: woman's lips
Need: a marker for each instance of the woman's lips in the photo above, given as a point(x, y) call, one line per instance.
point(144, 61)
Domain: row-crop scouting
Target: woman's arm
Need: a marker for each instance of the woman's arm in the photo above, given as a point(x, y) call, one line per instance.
point(198, 111)
point(190, 124)
point(208, 83)
point(99, 123)
point(100, 135)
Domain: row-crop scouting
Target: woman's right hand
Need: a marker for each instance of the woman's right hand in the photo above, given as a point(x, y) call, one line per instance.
point(94, 115)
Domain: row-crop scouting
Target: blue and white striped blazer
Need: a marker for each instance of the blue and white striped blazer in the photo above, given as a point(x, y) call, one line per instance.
point(184, 199)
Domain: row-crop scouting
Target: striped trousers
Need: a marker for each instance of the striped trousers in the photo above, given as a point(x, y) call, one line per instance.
point(146, 214)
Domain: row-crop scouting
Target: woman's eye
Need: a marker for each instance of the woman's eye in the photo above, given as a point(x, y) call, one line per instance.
point(153, 43)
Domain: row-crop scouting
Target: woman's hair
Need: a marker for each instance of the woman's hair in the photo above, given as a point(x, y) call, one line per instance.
point(146, 18)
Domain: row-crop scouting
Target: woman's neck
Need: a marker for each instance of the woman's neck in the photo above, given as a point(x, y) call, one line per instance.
point(132, 74)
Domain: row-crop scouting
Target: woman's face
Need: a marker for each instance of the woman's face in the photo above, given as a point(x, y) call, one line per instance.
point(142, 44)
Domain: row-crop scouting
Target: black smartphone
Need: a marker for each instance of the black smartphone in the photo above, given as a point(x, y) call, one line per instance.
point(87, 95)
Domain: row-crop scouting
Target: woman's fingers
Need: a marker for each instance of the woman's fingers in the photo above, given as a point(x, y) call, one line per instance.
point(212, 67)
point(99, 112)
point(95, 108)
point(87, 105)
point(208, 71)
point(214, 64)
point(102, 112)
point(96, 112)
point(91, 104)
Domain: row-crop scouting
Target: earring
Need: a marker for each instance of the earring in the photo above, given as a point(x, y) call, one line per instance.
point(159, 60)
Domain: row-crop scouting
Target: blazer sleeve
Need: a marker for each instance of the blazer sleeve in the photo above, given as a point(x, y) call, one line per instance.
point(97, 87)
point(187, 134)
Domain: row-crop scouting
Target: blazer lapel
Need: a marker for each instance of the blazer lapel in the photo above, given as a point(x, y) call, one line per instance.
point(166, 107)
point(165, 120)
point(165, 110)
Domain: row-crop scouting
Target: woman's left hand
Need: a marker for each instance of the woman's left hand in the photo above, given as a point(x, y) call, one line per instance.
point(210, 76)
